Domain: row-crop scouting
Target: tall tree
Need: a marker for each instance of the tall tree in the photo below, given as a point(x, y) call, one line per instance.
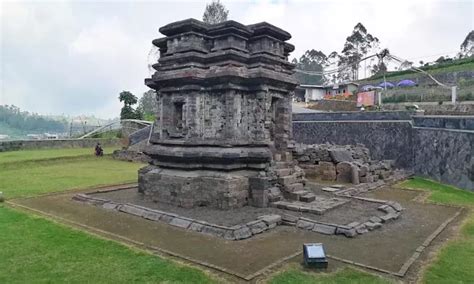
point(215, 13)
point(127, 111)
point(147, 104)
point(357, 45)
point(467, 46)
point(311, 60)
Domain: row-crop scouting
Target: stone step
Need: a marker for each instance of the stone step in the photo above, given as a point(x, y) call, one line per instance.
point(283, 172)
point(309, 197)
point(294, 187)
point(287, 180)
point(282, 165)
point(296, 195)
point(274, 198)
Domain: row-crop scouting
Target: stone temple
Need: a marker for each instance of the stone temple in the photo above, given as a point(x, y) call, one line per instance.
point(223, 133)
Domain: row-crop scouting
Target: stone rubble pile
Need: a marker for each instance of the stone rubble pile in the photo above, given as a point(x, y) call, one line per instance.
point(346, 164)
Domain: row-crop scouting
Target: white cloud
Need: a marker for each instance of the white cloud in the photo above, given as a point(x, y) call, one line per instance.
point(76, 57)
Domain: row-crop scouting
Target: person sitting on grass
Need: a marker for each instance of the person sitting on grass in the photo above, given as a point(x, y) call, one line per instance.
point(99, 152)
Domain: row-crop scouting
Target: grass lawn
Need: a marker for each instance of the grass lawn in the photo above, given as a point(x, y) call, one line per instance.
point(33, 155)
point(455, 262)
point(35, 250)
point(347, 275)
point(58, 175)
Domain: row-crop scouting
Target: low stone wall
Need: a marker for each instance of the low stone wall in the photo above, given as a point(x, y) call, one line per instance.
point(444, 121)
point(345, 164)
point(334, 105)
point(433, 108)
point(354, 115)
point(445, 155)
point(386, 140)
point(60, 143)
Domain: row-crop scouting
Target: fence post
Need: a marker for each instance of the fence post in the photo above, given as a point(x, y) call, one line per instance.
point(453, 94)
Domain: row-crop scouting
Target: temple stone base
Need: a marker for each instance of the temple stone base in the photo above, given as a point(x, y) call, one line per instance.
point(188, 189)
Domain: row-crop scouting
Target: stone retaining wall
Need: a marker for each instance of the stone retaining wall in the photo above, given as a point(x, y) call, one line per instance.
point(445, 155)
point(445, 121)
point(354, 115)
point(60, 143)
point(440, 147)
point(386, 140)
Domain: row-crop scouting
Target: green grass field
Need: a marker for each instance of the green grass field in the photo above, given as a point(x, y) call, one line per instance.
point(347, 275)
point(34, 155)
point(35, 250)
point(455, 262)
point(59, 175)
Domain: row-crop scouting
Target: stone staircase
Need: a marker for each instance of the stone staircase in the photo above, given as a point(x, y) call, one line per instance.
point(290, 183)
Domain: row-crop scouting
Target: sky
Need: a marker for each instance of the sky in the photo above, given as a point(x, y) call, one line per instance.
point(75, 57)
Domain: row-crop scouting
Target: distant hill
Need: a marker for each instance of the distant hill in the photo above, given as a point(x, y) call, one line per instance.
point(17, 124)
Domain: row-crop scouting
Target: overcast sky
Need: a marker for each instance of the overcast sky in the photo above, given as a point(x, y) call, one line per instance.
point(76, 57)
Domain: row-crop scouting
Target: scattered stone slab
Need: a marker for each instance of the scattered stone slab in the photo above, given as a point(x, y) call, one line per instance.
point(372, 226)
point(133, 210)
point(302, 224)
point(197, 227)
point(330, 189)
point(257, 227)
point(213, 231)
point(270, 220)
point(152, 215)
point(361, 229)
point(324, 229)
point(110, 205)
point(242, 233)
point(180, 223)
point(353, 224)
point(346, 231)
point(375, 219)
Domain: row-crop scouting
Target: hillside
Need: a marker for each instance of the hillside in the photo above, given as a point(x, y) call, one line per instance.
point(459, 73)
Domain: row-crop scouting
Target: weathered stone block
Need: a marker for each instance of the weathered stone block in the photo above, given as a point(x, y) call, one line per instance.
point(302, 224)
point(346, 231)
point(324, 229)
point(270, 220)
point(110, 205)
point(152, 215)
point(130, 209)
point(328, 171)
point(344, 172)
point(181, 223)
point(243, 233)
point(339, 155)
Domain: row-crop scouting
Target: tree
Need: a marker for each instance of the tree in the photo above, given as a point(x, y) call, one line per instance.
point(215, 13)
point(311, 60)
point(147, 104)
point(467, 46)
point(127, 111)
point(357, 45)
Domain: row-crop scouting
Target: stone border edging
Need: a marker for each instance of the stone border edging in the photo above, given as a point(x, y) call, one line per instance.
point(249, 229)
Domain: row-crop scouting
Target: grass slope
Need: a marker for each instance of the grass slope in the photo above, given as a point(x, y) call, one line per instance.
point(455, 262)
point(34, 250)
